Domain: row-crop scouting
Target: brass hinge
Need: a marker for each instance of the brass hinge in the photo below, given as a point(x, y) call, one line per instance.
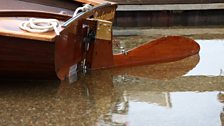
point(103, 29)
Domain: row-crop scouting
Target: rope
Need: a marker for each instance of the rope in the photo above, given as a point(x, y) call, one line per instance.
point(85, 8)
point(37, 25)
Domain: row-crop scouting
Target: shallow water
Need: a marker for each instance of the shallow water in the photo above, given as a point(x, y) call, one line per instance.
point(211, 62)
point(189, 92)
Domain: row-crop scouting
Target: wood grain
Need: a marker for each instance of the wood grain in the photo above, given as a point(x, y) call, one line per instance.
point(24, 54)
point(10, 27)
point(165, 49)
point(10, 21)
point(24, 58)
point(69, 48)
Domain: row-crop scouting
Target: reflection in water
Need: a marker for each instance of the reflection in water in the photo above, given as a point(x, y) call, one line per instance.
point(211, 63)
point(148, 104)
point(157, 95)
point(194, 110)
point(160, 71)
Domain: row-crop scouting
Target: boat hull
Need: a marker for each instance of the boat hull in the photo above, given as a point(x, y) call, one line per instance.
point(25, 58)
point(25, 55)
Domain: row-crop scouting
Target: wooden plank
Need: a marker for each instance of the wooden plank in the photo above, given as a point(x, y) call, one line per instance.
point(10, 27)
point(25, 58)
point(21, 5)
point(65, 4)
point(169, 18)
point(171, 7)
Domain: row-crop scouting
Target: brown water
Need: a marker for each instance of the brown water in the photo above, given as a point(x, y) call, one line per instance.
point(189, 92)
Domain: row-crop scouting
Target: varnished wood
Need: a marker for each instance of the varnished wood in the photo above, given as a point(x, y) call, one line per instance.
point(10, 27)
point(28, 55)
point(30, 5)
point(69, 48)
point(100, 55)
point(24, 58)
point(66, 4)
point(7, 23)
point(33, 13)
point(10, 21)
point(165, 49)
point(97, 12)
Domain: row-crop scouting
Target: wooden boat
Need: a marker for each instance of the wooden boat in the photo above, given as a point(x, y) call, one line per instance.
point(33, 55)
point(83, 41)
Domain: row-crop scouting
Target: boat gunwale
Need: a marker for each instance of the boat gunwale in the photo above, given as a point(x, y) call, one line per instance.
point(88, 13)
point(35, 14)
point(43, 14)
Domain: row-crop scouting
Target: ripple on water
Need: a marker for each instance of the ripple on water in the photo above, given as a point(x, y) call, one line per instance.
point(188, 92)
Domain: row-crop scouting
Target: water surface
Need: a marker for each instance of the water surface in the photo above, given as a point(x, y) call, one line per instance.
point(189, 92)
